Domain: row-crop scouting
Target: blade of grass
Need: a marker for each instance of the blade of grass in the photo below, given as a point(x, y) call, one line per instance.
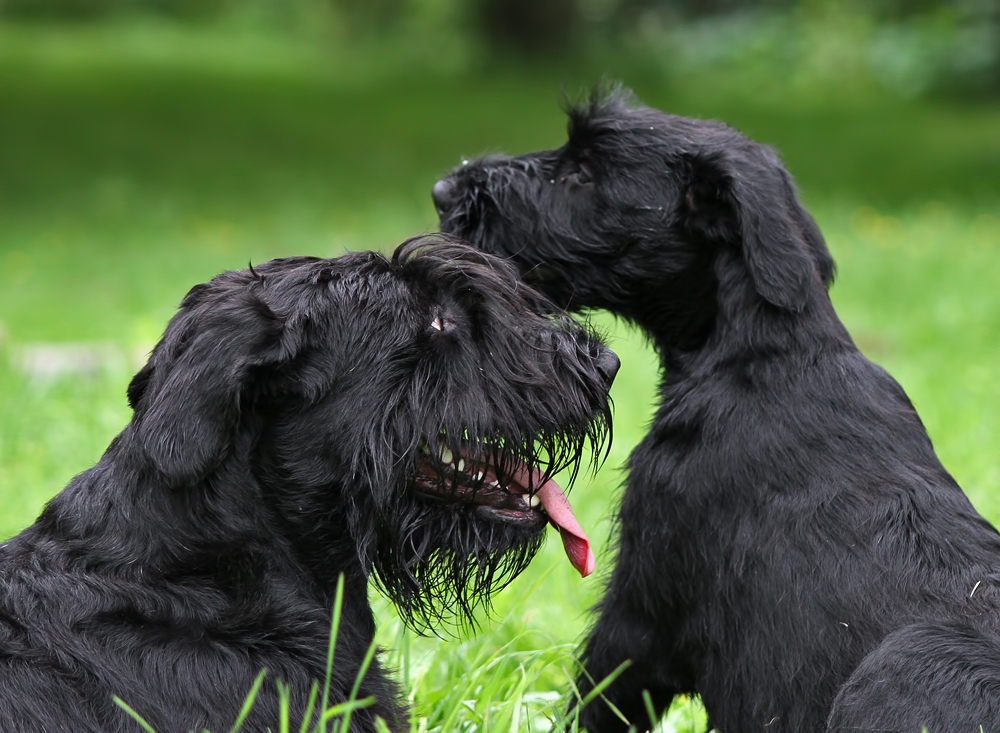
point(601, 686)
point(347, 707)
point(338, 604)
point(251, 698)
point(647, 700)
point(310, 704)
point(362, 671)
point(134, 715)
point(284, 706)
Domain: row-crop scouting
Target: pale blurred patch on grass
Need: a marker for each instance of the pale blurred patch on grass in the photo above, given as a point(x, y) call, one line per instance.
point(51, 430)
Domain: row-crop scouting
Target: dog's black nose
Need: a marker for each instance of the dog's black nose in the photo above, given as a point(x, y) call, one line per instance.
point(443, 194)
point(607, 364)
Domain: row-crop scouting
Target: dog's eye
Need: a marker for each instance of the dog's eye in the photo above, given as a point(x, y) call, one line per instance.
point(442, 322)
point(574, 172)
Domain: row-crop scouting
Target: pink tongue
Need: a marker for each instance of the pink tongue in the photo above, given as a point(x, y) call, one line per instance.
point(561, 516)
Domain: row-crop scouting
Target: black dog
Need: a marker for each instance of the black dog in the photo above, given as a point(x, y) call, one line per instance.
point(299, 421)
point(790, 548)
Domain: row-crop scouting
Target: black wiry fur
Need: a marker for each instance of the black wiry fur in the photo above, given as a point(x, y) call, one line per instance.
point(278, 429)
point(789, 545)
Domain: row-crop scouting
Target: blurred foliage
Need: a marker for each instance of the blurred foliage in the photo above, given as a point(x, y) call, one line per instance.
point(527, 26)
point(911, 47)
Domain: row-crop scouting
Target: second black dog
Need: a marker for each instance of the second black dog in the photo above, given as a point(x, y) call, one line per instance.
point(300, 421)
point(790, 547)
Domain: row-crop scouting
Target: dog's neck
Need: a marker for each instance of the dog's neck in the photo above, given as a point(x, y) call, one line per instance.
point(731, 322)
point(676, 311)
point(102, 508)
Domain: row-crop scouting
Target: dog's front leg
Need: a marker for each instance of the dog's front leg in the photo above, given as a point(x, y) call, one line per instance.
point(626, 632)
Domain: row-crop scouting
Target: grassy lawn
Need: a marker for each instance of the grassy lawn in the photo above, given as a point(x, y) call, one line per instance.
point(138, 160)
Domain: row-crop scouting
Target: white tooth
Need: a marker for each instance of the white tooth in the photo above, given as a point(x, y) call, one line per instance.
point(479, 476)
point(445, 455)
point(494, 485)
point(461, 464)
point(534, 501)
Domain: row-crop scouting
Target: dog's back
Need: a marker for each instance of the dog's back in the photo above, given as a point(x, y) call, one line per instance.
point(822, 532)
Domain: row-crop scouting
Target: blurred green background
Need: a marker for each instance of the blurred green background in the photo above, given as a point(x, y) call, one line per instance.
point(146, 145)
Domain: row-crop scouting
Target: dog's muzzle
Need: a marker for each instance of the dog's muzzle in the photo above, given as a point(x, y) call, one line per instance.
point(445, 195)
point(525, 497)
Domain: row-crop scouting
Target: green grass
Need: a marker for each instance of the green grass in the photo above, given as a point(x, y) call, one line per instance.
point(139, 159)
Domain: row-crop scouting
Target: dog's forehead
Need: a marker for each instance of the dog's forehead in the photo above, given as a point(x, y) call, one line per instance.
point(416, 280)
point(478, 283)
point(351, 269)
point(304, 287)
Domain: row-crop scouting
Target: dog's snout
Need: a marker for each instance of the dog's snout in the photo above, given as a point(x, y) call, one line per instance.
point(608, 364)
point(443, 194)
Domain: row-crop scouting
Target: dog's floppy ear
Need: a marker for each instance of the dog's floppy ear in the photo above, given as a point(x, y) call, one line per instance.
point(137, 387)
point(187, 399)
point(743, 192)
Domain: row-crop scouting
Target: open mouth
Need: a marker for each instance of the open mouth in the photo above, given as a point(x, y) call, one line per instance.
point(524, 496)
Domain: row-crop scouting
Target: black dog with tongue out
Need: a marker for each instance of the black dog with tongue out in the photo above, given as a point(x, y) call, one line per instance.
point(300, 421)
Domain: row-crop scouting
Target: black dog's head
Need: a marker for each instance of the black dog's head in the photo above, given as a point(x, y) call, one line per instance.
point(402, 415)
point(641, 212)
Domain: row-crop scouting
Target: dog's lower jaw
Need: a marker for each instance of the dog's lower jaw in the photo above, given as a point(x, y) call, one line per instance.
point(528, 519)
